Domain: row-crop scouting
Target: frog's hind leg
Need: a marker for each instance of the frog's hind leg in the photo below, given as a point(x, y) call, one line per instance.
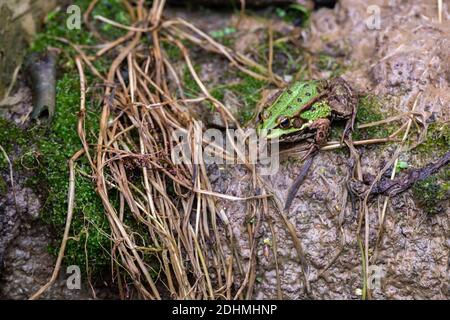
point(322, 128)
point(299, 180)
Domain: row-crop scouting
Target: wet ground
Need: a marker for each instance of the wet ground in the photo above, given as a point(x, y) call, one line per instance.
point(25, 260)
point(406, 58)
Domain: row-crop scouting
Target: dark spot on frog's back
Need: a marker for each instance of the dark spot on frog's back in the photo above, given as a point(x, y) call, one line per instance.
point(308, 94)
point(299, 100)
point(289, 91)
point(292, 108)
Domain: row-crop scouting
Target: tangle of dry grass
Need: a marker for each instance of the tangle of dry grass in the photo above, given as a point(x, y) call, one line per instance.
point(185, 247)
point(179, 251)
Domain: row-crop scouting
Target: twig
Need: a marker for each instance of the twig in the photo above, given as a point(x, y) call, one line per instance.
point(11, 177)
point(70, 206)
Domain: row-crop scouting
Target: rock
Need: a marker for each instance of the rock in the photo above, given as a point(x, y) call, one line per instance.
point(19, 20)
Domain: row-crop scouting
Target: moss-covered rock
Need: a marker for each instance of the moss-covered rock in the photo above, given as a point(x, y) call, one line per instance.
point(89, 244)
point(432, 193)
point(369, 110)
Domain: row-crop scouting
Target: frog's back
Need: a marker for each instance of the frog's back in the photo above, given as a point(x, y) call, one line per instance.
point(295, 97)
point(290, 101)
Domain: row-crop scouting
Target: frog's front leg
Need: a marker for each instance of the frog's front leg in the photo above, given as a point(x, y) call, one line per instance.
point(343, 101)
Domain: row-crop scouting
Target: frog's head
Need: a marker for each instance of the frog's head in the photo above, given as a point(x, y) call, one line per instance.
point(282, 118)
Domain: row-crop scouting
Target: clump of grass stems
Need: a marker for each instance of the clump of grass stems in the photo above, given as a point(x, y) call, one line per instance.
point(185, 247)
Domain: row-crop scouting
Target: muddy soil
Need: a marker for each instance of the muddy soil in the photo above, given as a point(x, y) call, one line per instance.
point(407, 55)
point(406, 58)
point(26, 263)
point(25, 260)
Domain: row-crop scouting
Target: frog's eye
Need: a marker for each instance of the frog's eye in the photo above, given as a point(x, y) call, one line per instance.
point(283, 122)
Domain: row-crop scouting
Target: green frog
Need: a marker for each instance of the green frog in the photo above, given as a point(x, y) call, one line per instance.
point(305, 111)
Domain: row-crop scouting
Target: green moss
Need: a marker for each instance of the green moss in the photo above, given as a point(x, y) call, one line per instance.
point(337, 129)
point(218, 92)
point(47, 151)
point(11, 136)
point(113, 10)
point(20, 146)
point(224, 36)
point(56, 26)
point(3, 186)
point(326, 62)
point(248, 89)
point(190, 85)
point(288, 58)
point(172, 51)
point(283, 52)
point(89, 244)
point(433, 191)
point(437, 141)
point(89, 226)
point(369, 110)
point(295, 13)
point(29, 160)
